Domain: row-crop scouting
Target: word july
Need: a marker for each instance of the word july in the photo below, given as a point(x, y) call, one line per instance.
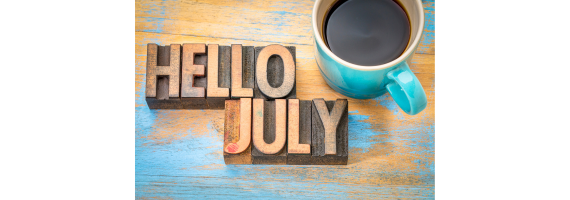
point(286, 131)
point(199, 76)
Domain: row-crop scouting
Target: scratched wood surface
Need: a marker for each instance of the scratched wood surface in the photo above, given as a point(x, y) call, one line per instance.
point(179, 152)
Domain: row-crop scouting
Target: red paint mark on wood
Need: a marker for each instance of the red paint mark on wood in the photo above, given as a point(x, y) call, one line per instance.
point(233, 147)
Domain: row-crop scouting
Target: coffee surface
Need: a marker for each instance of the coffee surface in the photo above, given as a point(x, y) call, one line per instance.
point(367, 32)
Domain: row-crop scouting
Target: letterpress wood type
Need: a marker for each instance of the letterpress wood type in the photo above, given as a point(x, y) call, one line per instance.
point(248, 67)
point(299, 132)
point(193, 90)
point(329, 132)
point(218, 90)
point(269, 132)
point(237, 74)
point(163, 77)
point(275, 72)
point(237, 132)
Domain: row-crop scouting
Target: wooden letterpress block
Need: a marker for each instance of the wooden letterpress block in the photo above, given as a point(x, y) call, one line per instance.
point(237, 131)
point(248, 72)
point(269, 132)
point(299, 132)
point(193, 90)
point(163, 77)
point(329, 132)
point(218, 90)
point(241, 71)
point(275, 72)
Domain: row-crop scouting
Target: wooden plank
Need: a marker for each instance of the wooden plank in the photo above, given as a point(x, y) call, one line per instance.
point(427, 44)
point(330, 132)
point(275, 72)
point(193, 87)
point(162, 77)
point(218, 79)
point(253, 21)
point(269, 132)
point(268, 21)
point(299, 132)
point(237, 132)
point(391, 156)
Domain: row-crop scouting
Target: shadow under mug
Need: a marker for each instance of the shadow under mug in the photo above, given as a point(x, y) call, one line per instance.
point(365, 82)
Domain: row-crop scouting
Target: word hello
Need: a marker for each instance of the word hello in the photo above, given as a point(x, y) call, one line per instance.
point(264, 122)
point(192, 76)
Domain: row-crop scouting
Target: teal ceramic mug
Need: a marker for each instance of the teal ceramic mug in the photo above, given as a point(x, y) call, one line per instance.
point(365, 82)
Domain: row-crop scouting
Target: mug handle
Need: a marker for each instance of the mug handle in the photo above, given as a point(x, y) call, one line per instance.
point(406, 89)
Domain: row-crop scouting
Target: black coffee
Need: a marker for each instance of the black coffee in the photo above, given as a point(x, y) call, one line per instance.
point(367, 32)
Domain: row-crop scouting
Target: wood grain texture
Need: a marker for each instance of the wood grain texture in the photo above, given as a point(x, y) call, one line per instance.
point(269, 132)
point(223, 56)
point(329, 133)
point(275, 72)
point(328, 119)
point(237, 74)
point(293, 127)
point(248, 67)
point(192, 88)
point(301, 156)
point(218, 75)
point(237, 138)
point(233, 144)
point(191, 69)
point(177, 152)
point(218, 79)
point(163, 78)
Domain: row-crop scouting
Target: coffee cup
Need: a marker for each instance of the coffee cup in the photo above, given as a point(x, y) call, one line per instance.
point(365, 82)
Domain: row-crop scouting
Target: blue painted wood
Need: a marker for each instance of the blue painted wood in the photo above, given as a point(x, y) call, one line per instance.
point(178, 153)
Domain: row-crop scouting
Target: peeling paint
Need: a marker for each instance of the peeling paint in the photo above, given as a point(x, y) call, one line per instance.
point(178, 153)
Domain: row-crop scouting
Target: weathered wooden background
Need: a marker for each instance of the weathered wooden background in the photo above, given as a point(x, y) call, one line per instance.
point(179, 152)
